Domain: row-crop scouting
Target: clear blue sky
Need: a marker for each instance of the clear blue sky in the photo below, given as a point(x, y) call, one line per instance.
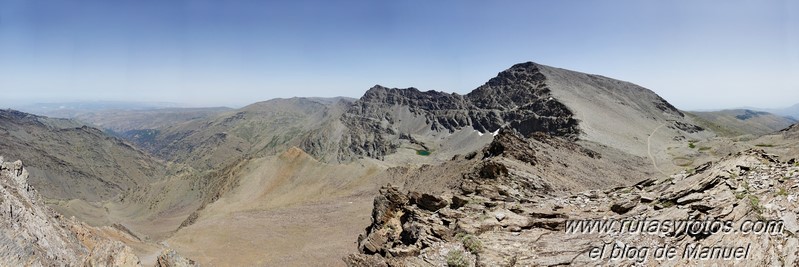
point(696, 54)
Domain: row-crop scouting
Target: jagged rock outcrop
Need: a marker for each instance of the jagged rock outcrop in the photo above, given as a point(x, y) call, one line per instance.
point(530, 229)
point(170, 258)
point(517, 98)
point(33, 234)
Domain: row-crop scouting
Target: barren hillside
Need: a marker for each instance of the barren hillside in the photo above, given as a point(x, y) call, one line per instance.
point(71, 161)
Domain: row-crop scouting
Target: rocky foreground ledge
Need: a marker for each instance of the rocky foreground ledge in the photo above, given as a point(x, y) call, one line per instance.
point(739, 211)
point(32, 234)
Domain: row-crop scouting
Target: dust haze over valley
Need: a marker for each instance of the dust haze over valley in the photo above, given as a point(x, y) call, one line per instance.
point(246, 142)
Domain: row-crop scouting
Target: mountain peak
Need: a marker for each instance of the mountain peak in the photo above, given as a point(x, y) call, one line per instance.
point(527, 97)
point(526, 65)
point(526, 74)
point(377, 87)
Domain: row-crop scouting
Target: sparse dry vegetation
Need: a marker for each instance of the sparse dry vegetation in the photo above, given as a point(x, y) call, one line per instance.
point(456, 258)
point(470, 242)
point(782, 192)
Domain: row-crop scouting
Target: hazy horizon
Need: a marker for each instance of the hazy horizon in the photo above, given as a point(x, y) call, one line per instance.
point(698, 56)
point(143, 105)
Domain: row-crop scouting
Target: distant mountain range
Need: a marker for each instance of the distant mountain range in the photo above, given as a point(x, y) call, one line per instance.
point(65, 109)
point(792, 111)
point(736, 122)
point(120, 116)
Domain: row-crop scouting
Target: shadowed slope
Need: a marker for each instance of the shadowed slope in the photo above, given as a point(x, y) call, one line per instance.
point(69, 160)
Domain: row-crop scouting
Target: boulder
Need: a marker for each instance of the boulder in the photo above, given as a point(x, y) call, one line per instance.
point(458, 201)
point(624, 205)
point(427, 201)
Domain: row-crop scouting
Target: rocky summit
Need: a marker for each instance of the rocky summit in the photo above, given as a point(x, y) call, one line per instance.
point(517, 97)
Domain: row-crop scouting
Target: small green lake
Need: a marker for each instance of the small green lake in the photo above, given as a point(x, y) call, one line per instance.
point(423, 152)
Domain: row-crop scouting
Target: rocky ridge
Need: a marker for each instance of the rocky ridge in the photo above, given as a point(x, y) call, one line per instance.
point(517, 98)
point(498, 217)
point(33, 234)
point(792, 132)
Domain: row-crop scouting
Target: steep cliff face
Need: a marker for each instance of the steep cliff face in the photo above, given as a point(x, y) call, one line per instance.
point(517, 97)
point(32, 234)
point(521, 98)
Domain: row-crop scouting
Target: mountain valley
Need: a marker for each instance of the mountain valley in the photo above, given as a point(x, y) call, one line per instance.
point(397, 177)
